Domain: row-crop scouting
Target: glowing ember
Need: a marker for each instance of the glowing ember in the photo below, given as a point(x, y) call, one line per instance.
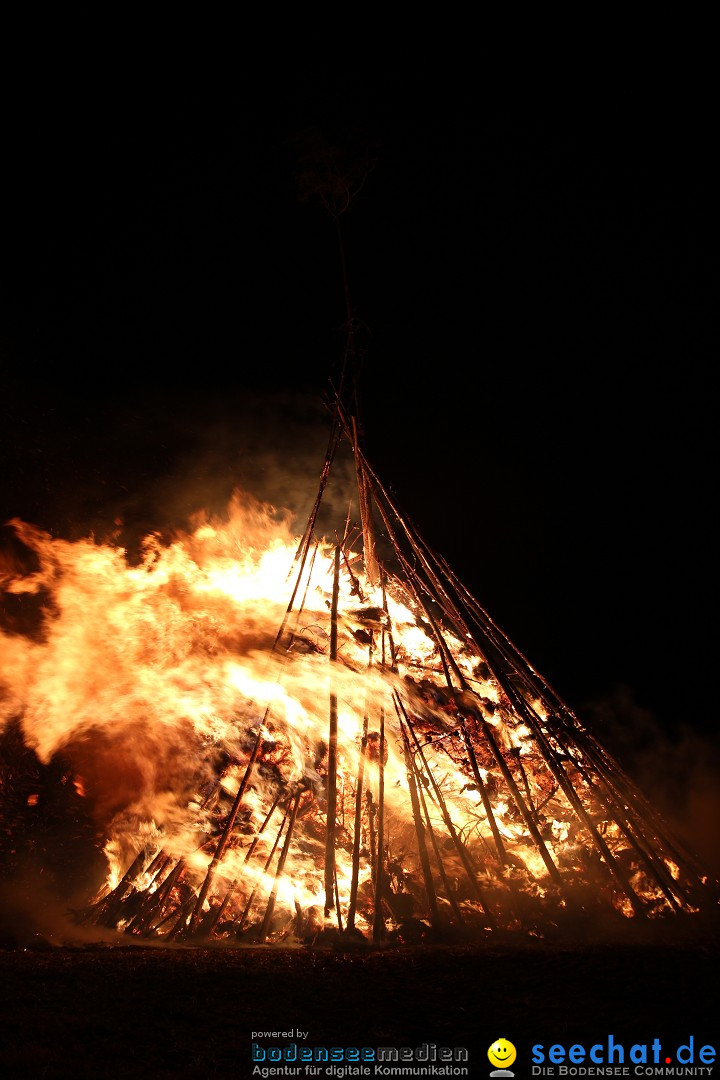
point(274, 744)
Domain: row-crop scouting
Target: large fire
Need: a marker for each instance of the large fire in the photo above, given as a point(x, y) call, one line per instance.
point(280, 738)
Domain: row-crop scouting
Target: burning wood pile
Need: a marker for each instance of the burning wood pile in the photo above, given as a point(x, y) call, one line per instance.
point(288, 740)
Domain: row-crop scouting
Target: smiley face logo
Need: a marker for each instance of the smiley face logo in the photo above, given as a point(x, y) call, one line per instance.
point(502, 1054)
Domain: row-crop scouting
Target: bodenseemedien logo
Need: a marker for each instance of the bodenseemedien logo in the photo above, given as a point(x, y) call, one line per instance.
point(501, 1054)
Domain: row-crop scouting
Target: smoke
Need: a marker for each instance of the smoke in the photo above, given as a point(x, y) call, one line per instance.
point(50, 857)
point(160, 460)
point(677, 769)
point(33, 912)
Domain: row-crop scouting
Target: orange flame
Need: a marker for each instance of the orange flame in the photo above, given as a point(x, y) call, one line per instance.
point(156, 678)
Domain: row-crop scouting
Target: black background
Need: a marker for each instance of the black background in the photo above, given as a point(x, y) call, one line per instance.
point(534, 280)
point(534, 274)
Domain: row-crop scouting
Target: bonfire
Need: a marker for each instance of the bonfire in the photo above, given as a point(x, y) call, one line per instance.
point(288, 737)
point(318, 735)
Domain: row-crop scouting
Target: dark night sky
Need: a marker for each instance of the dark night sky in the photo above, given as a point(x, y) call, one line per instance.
point(534, 283)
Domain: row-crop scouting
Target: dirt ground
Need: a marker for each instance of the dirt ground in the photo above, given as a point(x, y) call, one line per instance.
point(107, 1011)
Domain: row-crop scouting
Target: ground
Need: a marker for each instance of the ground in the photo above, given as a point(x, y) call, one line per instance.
point(108, 1012)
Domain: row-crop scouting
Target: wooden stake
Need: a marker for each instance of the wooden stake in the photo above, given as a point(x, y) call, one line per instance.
point(331, 811)
point(371, 832)
point(420, 833)
point(357, 828)
point(155, 904)
point(108, 911)
point(370, 558)
point(337, 904)
point(487, 805)
point(228, 895)
point(378, 920)
point(251, 897)
point(560, 775)
point(225, 835)
point(527, 816)
point(438, 857)
point(470, 869)
point(280, 867)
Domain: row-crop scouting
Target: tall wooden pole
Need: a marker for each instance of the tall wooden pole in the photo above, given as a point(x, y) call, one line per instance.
point(378, 920)
point(366, 519)
point(332, 754)
point(420, 833)
point(358, 828)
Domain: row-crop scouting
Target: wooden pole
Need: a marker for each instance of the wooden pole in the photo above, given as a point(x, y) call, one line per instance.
point(378, 920)
point(155, 906)
point(448, 659)
point(487, 805)
point(516, 699)
point(438, 857)
point(225, 835)
point(631, 807)
point(110, 908)
point(368, 528)
point(271, 856)
point(371, 831)
point(420, 833)
point(280, 867)
point(337, 904)
point(181, 916)
point(357, 829)
point(331, 812)
point(228, 895)
point(459, 846)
